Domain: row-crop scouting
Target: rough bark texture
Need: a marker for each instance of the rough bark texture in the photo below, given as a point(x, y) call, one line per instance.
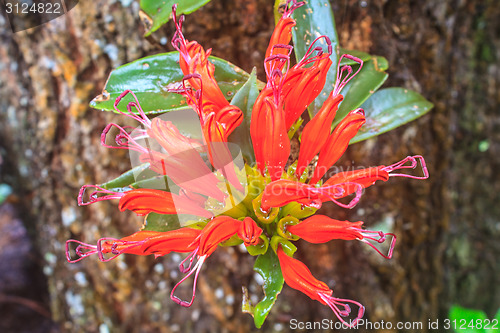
point(448, 227)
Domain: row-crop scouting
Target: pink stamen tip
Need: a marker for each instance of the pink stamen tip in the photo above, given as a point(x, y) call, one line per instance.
point(278, 63)
point(123, 140)
point(82, 250)
point(341, 308)
point(196, 269)
point(342, 80)
point(308, 58)
point(178, 40)
point(413, 160)
point(94, 196)
point(382, 237)
point(289, 10)
point(142, 118)
point(99, 249)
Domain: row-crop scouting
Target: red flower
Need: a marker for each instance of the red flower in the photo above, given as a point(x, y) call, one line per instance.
point(338, 142)
point(303, 84)
point(321, 229)
point(298, 276)
point(268, 131)
point(316, 132)
point(145, 201)
point(193, 59)
point(281, 192)
point(249, 232)
point(139, 243)
point(218, 230)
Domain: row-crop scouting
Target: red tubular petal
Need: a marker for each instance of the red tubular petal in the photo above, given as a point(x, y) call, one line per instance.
point(220, 229)
point(302, 86)
point(269, 134)
point(194, 59)
point(258, 121)
point(338, 142)
point(365, 177)
point(298, 276)
point(187, 170)
point(180, 240)
point(316, 132)
point(282, 35)
point(145, 201)
point(321, 229)
point(277, 144)
point(169, 137)
point(281, 192)
point(249, 231)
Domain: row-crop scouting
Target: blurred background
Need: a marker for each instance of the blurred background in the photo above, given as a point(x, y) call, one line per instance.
point(448, 227)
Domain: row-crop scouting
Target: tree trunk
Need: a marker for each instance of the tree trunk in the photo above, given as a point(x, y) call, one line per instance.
point(447, 249)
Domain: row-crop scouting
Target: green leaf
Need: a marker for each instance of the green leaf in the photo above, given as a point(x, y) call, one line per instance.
point(161, 222)
point(127, 178)
point(390, 108)
point(362, 86)
point(268, 266)
point(315, 19)
point(152, 181)
point(466, 316)
point(245, 99)
point(149, 77)
point(358, 54)
point(156, 13)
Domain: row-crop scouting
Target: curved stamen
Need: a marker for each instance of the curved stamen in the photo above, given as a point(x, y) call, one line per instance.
point(142, 118)
point(276, 81)
point(382, 237)
point(191, 256)
point(401, 165)
point(113, 248)
point(307, 58)
point(82, 250)
point(342, 80)
point(278, 62)
point(289, 10)
point(193, 99)
point(341, 308)
point(196, 269)
point(352, 203)
point(178, 40)
point(123, 140)
point(94, 196)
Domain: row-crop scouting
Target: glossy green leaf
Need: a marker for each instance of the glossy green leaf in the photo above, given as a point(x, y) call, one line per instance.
point(152, 180)
point(315, 19)
point(127, 178)
point(390, 108)
point(245, 99)
point(161, 222)
point(268, 266)
point(156, 13)
point(362, 86)
point(358, 54)
point(149, 78)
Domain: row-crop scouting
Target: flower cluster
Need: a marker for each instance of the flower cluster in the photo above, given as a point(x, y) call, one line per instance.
point(265, 206)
